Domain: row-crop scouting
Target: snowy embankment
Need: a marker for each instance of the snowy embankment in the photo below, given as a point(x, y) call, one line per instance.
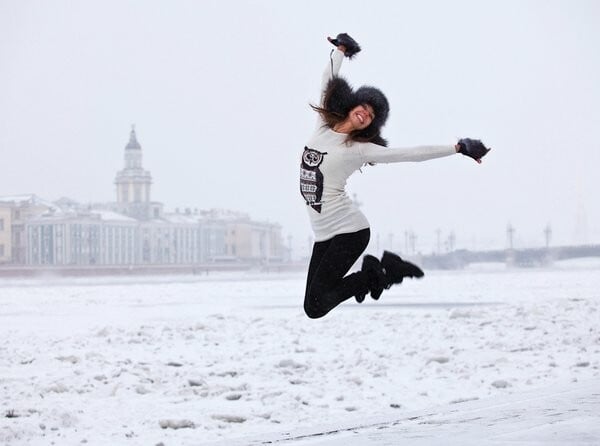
point(187, 361)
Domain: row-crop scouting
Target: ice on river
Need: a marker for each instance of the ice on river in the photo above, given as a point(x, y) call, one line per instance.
point(192, 360)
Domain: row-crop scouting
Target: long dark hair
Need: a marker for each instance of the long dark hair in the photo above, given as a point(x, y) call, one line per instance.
point(339, 99)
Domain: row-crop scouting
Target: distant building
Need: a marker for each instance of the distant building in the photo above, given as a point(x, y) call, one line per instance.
point(81, 238)
point(134, 230)
point(249, 240)
point(5, 234)
point(133, 185)
point(15, 211)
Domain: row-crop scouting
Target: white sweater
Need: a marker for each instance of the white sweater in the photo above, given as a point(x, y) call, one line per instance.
point(328, 161)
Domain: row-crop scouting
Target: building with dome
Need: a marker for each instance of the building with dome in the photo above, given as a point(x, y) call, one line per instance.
point(132, 231)
point(134, 185)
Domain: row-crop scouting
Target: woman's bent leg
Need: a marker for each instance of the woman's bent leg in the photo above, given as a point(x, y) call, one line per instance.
point(318, 252)
point(326, 286)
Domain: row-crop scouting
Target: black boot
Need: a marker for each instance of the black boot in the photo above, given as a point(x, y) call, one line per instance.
point(397, 269)
point(376, 280)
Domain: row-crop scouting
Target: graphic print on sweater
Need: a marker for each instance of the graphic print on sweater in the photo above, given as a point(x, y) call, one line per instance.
point(311, 178)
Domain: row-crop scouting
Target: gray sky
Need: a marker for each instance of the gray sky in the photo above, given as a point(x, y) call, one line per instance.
point(219, 93)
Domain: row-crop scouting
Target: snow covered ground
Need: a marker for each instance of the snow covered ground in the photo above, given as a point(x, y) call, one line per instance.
point(197, 360)
point(553, 416)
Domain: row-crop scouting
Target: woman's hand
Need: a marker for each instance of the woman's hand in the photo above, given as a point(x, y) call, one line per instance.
point(346, 44)
point(342, 48)
point(473, 148)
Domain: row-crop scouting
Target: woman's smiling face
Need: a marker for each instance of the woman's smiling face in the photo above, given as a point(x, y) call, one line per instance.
point(361, 116)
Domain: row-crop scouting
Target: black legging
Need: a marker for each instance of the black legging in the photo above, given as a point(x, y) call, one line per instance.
point(326, 286)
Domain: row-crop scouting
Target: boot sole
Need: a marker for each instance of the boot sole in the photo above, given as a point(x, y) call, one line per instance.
point(407, 269)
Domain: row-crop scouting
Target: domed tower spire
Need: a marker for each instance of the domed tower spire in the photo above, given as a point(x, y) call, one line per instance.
point(133, 142)
point(133, 182)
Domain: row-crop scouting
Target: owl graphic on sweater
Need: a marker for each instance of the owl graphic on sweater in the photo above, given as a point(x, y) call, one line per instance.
point(311, 178)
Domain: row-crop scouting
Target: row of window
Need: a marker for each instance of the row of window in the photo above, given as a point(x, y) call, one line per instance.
point(84, 244)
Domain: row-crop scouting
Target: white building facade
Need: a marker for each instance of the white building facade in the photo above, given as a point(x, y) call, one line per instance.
point(136, 231)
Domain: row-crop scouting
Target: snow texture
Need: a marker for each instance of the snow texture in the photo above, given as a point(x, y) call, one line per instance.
point(201, 360)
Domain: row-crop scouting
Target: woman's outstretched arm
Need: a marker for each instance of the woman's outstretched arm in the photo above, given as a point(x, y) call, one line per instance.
point(331, 69)
point(373, 153)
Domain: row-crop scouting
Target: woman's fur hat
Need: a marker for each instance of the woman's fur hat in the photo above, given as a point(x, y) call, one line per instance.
point(340, 98)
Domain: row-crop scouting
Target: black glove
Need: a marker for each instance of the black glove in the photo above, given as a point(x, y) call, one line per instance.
point(352, 46)
point(472, 148)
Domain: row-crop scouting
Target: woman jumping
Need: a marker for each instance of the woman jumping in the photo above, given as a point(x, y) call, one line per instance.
point(348, 137)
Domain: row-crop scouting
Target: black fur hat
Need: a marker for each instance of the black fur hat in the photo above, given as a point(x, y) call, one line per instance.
point(340, 98)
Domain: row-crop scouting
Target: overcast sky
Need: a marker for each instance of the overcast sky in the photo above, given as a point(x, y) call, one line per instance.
point(219, 93)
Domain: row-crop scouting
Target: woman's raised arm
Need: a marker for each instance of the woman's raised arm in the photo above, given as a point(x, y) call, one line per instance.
point(332, 69)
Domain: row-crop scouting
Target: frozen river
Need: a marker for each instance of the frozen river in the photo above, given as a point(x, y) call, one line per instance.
point(191, 360)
